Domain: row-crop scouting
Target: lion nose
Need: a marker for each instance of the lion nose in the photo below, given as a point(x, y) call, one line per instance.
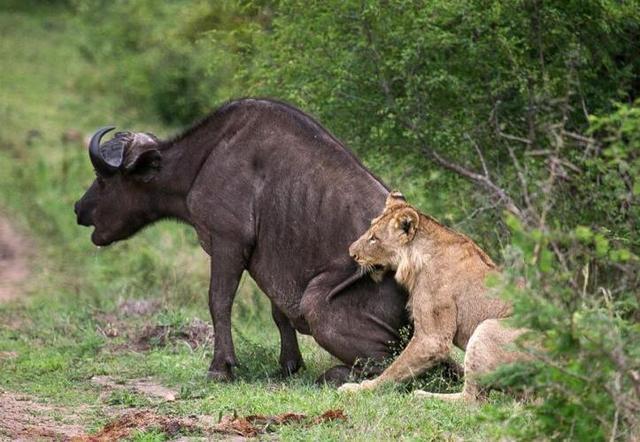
point(353, 254)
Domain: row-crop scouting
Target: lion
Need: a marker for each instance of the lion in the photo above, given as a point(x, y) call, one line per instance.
point(444, 273)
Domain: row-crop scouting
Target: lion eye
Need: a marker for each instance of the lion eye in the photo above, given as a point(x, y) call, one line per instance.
point(373, 239)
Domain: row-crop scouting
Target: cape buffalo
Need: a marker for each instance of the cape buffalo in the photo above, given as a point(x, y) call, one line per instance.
point(269, 191)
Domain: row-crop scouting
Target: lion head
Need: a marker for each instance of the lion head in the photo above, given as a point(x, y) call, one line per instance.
point(380, 247)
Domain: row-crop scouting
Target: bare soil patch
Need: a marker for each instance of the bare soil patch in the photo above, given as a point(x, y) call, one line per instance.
point(14, 267)
point(23, 418)
point(230, 427)
point(138, 337)
point(145, 386)
point(257, 424)
point(195, 334)
point(138, 307)
point(6, 355)
point(143, 420)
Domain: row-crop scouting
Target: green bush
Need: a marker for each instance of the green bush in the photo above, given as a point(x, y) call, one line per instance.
point(175, 60)
point(584, 334)
point(420, 89)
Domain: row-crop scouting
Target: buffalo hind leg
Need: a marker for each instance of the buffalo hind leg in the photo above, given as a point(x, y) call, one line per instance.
point(357, 325)
point(227, 266)
point(290, 357)
point(341, 374)
point(335, 376)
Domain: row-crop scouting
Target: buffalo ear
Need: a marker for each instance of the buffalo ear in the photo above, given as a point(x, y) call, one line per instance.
point(394, 198)
point(407, 221)
point(144, 165)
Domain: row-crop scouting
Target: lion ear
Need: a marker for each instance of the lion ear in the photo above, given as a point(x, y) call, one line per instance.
point(395, 198)
point(407, 221)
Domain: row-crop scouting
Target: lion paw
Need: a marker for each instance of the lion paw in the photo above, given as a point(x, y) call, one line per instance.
point(354, 387)
point(350, 388)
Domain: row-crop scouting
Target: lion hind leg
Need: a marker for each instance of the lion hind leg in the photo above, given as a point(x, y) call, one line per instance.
point(488, 347)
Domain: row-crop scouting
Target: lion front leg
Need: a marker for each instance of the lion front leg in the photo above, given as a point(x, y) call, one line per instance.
point(421, 353)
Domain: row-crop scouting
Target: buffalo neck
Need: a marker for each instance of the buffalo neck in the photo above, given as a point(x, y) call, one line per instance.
point(182, 160)
point(168, 202)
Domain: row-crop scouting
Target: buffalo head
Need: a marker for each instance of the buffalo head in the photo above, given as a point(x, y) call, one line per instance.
point(118, 202)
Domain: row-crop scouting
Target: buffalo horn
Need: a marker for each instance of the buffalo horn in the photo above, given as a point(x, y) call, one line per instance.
point(95, 154)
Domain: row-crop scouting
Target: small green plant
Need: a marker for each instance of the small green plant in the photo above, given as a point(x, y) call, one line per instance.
point(127, 399)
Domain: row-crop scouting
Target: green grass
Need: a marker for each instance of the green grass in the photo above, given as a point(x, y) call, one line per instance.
point(48, 88)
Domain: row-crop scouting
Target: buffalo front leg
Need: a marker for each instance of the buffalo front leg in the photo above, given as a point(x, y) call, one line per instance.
point(226, 269)
point(290, 357)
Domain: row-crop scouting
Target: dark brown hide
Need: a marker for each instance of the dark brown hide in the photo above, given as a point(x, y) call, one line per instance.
point(269, 191)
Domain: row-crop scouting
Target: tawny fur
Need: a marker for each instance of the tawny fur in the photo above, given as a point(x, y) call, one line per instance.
point(444, 273)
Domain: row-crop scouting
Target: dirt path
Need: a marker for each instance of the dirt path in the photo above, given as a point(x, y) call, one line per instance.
point(13, 261)
point(24, 418)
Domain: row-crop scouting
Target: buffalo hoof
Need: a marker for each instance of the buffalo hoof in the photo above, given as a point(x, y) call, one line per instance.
point(335, 376)
point(220, 375)
point(291, 367)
